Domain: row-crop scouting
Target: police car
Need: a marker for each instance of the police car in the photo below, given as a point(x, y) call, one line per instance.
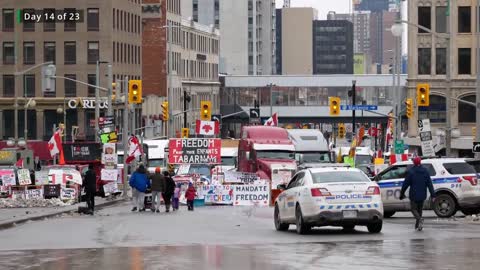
point(454, 180)
point(337, 196)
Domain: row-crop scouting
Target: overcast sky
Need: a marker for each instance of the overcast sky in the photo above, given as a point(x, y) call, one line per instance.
point(322, 6)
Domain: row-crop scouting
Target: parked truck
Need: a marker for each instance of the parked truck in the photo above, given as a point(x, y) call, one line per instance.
point(310, 146)
point(268, 152)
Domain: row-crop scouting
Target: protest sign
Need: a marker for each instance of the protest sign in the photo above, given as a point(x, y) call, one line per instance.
point(240, 177)
point(8, 177)
point(24, 177)
point(18, 194)
point(109, 174)
point(34, 194)
point(109, 156)
point(194, 151)
point(41, 177)
point(61, 176)
point(110, 188)
point(51, 191)
point(251, 195)
point(67, 193)
point(217, 194)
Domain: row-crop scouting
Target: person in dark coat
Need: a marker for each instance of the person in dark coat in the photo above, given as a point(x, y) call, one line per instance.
point(158, 187)
point(418, 179)
point(169, 189)
point(90, 185)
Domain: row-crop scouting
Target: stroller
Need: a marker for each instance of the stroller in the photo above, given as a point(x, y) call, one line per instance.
point(147, 203)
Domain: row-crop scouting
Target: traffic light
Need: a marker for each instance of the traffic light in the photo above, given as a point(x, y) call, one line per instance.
point(206, 110)
point(185, 132)
point(409, 103)
point(474, 133)
point(135, 91)
point(334, 106)
point(423, 95)
point(341, 131)
point(165, 114)
point(114, 91)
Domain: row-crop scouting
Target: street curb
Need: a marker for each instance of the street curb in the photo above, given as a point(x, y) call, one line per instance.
point(11, 224)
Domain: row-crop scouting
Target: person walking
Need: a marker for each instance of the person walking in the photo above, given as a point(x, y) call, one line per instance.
point(90, 186)
point(158, 187)
point(169, 189)
point(190, 196)
point(418, 179)
point(176, 197)
point(139, 183)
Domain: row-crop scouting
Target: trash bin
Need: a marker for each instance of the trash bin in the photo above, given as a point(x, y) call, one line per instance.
point(198, 202)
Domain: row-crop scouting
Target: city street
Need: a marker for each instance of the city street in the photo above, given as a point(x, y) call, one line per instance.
point(232, 238)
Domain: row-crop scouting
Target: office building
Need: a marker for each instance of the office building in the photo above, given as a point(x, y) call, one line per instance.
point(108, 31)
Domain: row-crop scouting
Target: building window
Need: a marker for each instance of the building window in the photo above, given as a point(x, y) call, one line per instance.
point(464, 60)
point(464, 20)
point(28, 26)
point(118, 19)
point(436, 112)
point(70, 51)
point(8, 20)
point(49, 22)
point(441, 19)
point(69, 25)
point(118, 52)
point(8, 85)
point(441, 61)
point(8, 53)
point(92, 79)
point(114, 51)
point(93, 19)
point(93, 52)
point(424, 18)
point(466, 112)
point(49, 51)
point(70, 86)
point(113, 19)
point(29, 53)
point(424, 61)
point(29, 81)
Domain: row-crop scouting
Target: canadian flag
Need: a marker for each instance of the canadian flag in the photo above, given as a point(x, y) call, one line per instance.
point(134, 149)
point(207, 127)
point(272, 121)
point(394, 158)
point(55, 146)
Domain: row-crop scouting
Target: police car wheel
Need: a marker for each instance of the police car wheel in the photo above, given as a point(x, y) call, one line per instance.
point(279, 225)
point(302, 228)
point(375, 227)
point(388, 214)
point(444, 206)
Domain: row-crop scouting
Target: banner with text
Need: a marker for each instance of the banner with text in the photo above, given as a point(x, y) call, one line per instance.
point(258, 195)
point(194, 151)
point(217, 194)
point(240, 177)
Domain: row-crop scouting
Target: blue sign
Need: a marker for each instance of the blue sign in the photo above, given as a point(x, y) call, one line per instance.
point(358, 107)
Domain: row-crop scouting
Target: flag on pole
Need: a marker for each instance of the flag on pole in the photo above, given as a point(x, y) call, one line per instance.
point(272, 121)
point(394, 158)
point(134, 149)
point(207, 127)
point(55, 146)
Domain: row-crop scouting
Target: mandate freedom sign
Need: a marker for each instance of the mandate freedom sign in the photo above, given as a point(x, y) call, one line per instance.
point(251, 195)
point(194, 151)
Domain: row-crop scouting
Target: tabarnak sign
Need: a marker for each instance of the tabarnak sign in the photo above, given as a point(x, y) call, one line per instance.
point(194, 151)
point(86, 104)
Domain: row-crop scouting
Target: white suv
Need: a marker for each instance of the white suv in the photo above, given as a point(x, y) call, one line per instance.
point(454, 180)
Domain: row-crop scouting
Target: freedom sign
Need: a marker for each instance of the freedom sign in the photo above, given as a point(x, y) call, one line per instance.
point(251, 195)
point(194, 151)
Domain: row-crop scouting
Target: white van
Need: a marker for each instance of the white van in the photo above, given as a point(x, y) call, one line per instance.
point(156, 154)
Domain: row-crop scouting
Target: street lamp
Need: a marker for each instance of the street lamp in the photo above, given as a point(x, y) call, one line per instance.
point(397, 31)
point(30, 104)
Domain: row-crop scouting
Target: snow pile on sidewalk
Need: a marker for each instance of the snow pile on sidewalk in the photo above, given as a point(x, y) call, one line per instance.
point(472, 218)
point(23, 203)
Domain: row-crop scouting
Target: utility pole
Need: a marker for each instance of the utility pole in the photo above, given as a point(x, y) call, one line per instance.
point(448, 130)
point(110, 90)
point(477, 111)
point(125, 137)
point(97, 105)
point(271, 99)
point(354, 96)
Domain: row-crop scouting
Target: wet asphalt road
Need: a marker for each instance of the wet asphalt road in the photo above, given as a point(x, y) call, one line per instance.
point(232, 238)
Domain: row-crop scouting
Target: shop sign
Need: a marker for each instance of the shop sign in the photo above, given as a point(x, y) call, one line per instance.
point(86, 104)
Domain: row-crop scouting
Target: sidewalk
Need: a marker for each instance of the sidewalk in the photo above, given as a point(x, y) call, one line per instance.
point(10, 217)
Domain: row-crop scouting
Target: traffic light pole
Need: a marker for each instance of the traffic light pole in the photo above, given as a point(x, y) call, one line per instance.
point(110, 90)
point(125, 137)
point(448, 129)
point(184, 109)
point(477, 111)
point(354, 96)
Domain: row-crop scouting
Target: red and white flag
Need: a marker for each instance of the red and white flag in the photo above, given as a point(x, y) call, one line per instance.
point(207, 127)
point(394, 158)
point(19, 163)
point(272, 121)
point(134, 149)
point(55, 146)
